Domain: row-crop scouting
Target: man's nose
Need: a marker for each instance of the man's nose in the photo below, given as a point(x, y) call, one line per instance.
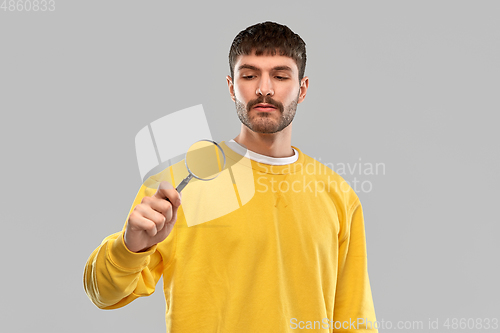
point(265, 87)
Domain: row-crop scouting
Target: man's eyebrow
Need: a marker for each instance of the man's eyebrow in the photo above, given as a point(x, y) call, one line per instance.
point(277, 68)
point(245, 66)
point(282, 68)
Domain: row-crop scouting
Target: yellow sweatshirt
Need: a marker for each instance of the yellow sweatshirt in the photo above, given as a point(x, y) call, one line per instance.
point(282, 251)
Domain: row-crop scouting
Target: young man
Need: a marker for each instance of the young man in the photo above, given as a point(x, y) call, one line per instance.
point(291, 257)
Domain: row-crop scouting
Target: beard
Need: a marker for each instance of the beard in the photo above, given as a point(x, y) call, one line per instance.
point(265, 122)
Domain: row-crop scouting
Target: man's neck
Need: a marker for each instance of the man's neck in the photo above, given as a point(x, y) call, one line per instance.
point(274, 145)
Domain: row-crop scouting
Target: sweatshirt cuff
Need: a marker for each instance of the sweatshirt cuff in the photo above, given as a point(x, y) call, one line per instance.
point(123, 257)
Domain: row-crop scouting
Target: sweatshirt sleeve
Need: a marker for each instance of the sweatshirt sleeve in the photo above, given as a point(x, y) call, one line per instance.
point(353, 300)
point(114, 276)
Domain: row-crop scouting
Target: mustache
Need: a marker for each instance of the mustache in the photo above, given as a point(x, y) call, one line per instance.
point(267, 100)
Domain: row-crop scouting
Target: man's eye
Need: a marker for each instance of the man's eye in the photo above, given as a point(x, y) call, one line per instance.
point(248, 77)
point(281, 78)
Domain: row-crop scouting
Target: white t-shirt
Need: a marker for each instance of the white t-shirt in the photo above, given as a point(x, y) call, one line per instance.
point(239, 149)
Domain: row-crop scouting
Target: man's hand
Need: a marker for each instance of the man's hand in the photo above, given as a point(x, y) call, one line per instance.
point(153, 219)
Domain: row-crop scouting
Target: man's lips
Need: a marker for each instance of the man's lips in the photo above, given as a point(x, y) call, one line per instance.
point(265, 107)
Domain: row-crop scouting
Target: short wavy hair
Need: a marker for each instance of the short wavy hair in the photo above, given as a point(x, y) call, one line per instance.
point(269, 38)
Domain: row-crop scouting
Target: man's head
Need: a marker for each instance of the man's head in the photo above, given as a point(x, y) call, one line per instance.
point(267, 63)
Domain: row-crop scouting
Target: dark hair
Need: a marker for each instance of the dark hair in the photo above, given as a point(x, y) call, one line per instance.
point(267, 38)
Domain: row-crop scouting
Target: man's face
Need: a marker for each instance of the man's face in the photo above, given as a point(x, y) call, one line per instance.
point(266, 91)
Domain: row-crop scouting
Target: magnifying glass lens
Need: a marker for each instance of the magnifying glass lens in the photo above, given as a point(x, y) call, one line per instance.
point(205, 160)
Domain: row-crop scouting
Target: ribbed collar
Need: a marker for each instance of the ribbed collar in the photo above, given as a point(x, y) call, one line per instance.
point(236, 147)
point(262, 163)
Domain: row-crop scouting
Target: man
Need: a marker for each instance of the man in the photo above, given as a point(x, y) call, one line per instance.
point(292, 257)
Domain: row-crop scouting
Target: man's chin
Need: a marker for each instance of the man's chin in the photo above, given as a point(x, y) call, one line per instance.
point(264, 128)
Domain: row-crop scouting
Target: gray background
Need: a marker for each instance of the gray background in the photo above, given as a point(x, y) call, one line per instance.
point(411, 84)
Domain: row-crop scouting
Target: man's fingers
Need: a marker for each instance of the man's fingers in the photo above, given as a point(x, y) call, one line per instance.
point(142, 223)
point(160, 205)
point(147, 223)
point(167, 191)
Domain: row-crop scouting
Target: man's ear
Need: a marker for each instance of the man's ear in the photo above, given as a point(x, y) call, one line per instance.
point(304, 85)
point(230, 85)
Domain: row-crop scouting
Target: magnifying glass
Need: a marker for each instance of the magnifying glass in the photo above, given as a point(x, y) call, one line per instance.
point(204, 160)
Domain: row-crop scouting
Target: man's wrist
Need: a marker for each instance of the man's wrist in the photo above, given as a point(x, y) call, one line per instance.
point(120, 254)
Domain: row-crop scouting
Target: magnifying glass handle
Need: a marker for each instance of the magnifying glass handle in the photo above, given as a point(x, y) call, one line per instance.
point(184, 182)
